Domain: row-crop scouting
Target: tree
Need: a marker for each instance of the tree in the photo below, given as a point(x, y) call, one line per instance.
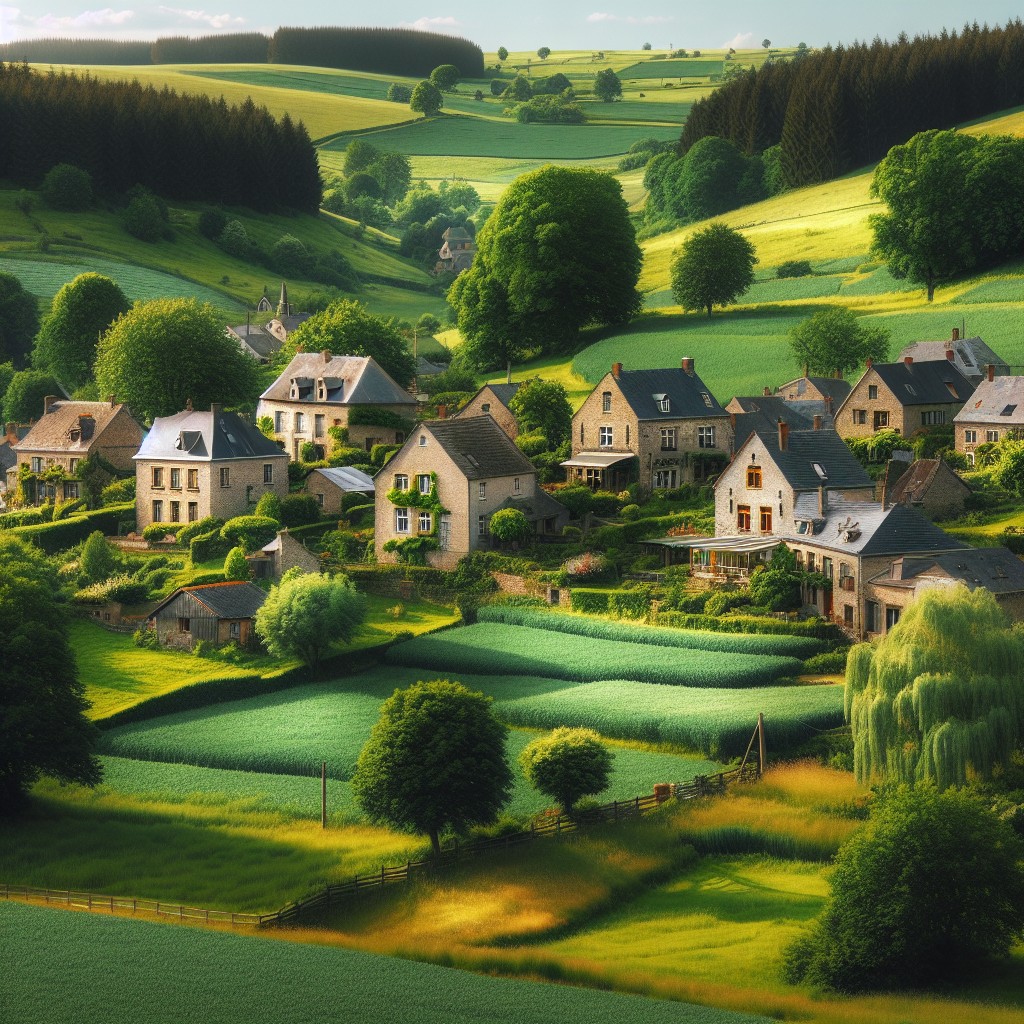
point(941, 696)
point(1009, 471)
point(834, 342)
point(558, 253)
point(710, 178)
point(348, 328)
point(435, 760)
point(308, 612)
point(81, 312)
point(235, 565)
point(6, 376)
point(566, 765)
point(426, 99)
point(543, 405)
point(766, 43)
point(23, 400)
point(393, 172)
point(399, 93)
point(143, 218)
point(67, 187)
point(713, 267)
point(777, 585)
point(19, 319)
point(646, 46)
point(359, 155)
point(607, 85)
point(502, 54)
point(929, 887)
point(428, 324)
point(97, 561)
point(544, 52)
point(43, 728)
point(165, 353)
point(269, 505)
point(510, 526)
point(519, 89)
point(445, 77)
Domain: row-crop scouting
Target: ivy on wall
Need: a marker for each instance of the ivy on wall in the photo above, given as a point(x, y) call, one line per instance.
point(414, 550)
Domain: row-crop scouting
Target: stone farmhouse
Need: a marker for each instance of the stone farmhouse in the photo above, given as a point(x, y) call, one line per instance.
point(255, 341)
point(904, 397)
point(330, 484)
point(63, 437)
point(815, 396)
point(995, 412)
point(216, 613)
point(971, 356)
point(197, 464)
point(925, 484)
point(284, 552)
point(456, 252)
point(662, 428)
point(493, 400)
point(12, 435)
point(319, 390)
point(447, 481)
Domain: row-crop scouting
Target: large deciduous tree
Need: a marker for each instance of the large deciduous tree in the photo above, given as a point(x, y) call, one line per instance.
point(558, 253)
point(81, 312)
point(307, 612)
point(543, 405)
point(348, 328)
point(941, 696)
point(435, 760)
point(445, 77)
point(567, 764)
point(713, 267)
point(19, 320)
point(834, 341)
point(43, 728)
point(426, 99)
point(167, 352)
point(23, 400)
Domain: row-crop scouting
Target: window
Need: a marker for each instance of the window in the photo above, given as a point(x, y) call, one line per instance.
point(754, 477)
point(933, 418)
point(278, 422)
point(871, 616)
point(444, 532)
point(73, 466)
point(606, 402)
point(268, 472)
point(175, 511)
point(848, 615)
point(991, 435)
point(664, 479)
point(300, 421)
point(970, 436)
point(175, 479)
point(705, 437)
point(766, 519)
point(401, 520)
point(860, 416)
point(426, 522)
point(483, 528)
point(71, 491)
point(158, 511)
point(482, 491)
point(872, 391)
point(662, 401)
point(892, 616)
point(1008, 410)
point(158, 476)
point(743, 518)
point(880, 420)
point(970, 458)
point(486, 407)
point(707, 398)
point(826, 567)
point(581, 433)
point(320, 500)
point(37, 464)
point(627, 435)
point(424, 483)
point(318, 425)
point(192, 476)
point(810, 561)
point(423, 441)
point(401, 482)
point(606, 437)
point(515, 485)
point(193, 511)
point(234, 630)
point(910, 388)
point(225, 476)
point(668, 439)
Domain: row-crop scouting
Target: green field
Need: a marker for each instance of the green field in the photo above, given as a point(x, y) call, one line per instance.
point(60, 966)
point(689, 68)
point(638, 111)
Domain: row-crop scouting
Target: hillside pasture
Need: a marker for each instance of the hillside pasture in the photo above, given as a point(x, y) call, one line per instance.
point(680, 68)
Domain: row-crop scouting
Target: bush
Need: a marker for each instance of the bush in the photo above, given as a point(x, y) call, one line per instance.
point(207, 546)
point(143, 218)
point(721, 602)
point(398, 93)
point(299, 510)
point(157, 531)
point(630, 604)
point(572, 533)
point(200, 526)
point(828, 661)
point(235, 565)
point(268, 506)
point(250, 532)
point(119, 491)
point(793, 268)
point(594, 602)
point(820, 628)
point(630, 513)
point(212, 223)
point(67, 187)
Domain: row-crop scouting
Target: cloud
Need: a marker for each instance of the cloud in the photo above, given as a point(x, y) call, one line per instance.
point(740, 41)
point(85, 20)
point(432, 24)
point(650, 19)
point(213, 20)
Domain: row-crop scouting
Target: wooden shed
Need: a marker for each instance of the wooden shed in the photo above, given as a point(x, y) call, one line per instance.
point(216, 613)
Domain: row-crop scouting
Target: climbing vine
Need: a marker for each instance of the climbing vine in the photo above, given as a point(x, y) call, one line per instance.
point(414, 550)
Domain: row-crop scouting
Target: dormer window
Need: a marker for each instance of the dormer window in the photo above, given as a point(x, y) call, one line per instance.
point(952, 390)
point(74, 433)
point(662, 403)
point(707, 398)
point(1008, 410)
point(820, 470)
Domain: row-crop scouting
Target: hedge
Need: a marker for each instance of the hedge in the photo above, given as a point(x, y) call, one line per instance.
point(200, 526)
point(641, 529)
point(65, 533)
point(207, 546)
point(421, 575)
point(593, 601)
point(818, 628)
point(630, 604)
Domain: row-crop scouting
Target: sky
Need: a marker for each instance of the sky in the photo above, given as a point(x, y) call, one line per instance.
point(525, 24)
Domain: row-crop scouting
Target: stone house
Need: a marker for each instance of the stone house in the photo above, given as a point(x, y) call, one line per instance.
point(995, 411)
point(255, 341)
point(814, 391)
point(925, 484)
point(64, 437)
point(456, 252)
point(284, 552)
point(197, 464)
point(13, 434)
point(971, 356)
point(662, 428)
point(215, 613)
point(319, 390)
point(493, 400)
point(763, 413)
point(447, 481)
point(329, 486)
point(889, 592)
point(904, 396)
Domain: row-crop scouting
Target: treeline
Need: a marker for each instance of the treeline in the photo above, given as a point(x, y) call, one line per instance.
point(398, 51)
point(182, 147)
point(843, 107)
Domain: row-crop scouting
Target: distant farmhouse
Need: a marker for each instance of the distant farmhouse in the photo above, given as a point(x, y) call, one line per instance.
point(215, 613)
point(995, 412)
point(287, 319)
point(456, 252)
point(256, 341)
point(971, 356)
point(493, 400)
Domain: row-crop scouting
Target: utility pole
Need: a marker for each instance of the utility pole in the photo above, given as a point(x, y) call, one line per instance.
point(323, 794)
point(761, 753)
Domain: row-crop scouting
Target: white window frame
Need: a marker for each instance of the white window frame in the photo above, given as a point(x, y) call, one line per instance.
point(515, 485)
point(605, 437)
point(706, 437)
point(424, 522)
point(225, 476)
point(424, 483)
point(401, 482)
point(669, 439)
point(664, 479)
point(606, 401)
point(970, 437)
point(482, 490)
point(401, 520)
point(991, 436)
point(483, 526)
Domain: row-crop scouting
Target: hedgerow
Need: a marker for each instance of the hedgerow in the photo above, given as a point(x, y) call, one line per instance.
point(754, 624)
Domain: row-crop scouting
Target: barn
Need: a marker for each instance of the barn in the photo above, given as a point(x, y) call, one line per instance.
point(216, 613)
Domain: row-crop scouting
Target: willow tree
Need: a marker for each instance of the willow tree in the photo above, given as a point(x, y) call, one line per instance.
point(941, 696)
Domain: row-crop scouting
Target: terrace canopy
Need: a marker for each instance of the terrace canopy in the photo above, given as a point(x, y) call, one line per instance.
point(601, 469)
point(720, 557)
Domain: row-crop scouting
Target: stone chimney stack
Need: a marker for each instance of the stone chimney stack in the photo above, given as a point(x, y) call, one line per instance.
point(767, 392)
point(616, 370)
point(991, 371)
point(783, 435)
point(822, 501)
point(829, 402)
point(48, 403)
point(908, 360)
point(817, 422)
point(956, 334)
point(326, 355)
point(216, 408)
point(442, 411)
point(869, 362)
point(687, 365)
point(950, 354)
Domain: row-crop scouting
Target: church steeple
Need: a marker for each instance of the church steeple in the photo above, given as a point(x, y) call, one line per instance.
point(283, 306)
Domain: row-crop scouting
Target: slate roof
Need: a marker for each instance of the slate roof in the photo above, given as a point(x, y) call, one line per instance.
point(290, 321)
point(807, 448)
point(763, 412)
point(836, 387)
point(357, 380)
point(211, 436)
point(912, 485)
point(999, 401)
point(225, 600)
point(425, 368)
point(8, 458)
point(970, 355)
point(346, 478)
point(503, 392)
point(996, 569)
point(478, 446)
point(261, 341)
point(926, 383)
point(537, 506)
point(52, 431)
point(688, 396)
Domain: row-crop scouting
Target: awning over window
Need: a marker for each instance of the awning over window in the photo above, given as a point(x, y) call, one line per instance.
point(598, 460)
point(737, 544)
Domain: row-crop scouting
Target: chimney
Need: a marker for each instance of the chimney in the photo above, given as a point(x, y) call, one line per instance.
point(442, 411)
point(950, 354)
point(908, 360)
point(326, 355)
point(869, 362)
point(732, 421)
point(616, 370)
point(783, 435)
point(822, 501)
point(767, 392)
point(48, 403)
point(991, 371)
point(817, 422)
point(216, 409)
point(687, 365)
point(829, 402)
point(956, 334)
point(188, 405)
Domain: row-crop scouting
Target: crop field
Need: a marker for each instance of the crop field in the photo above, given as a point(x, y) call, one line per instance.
point(457, 135)
point(659, 636)
point(637, 110)
point(678, 69)
point(1007, 289)
point(489, 648)
point(105, 970)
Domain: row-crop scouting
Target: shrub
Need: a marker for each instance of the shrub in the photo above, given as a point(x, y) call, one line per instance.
point(722, 602)
point(269, 506)
point(250, 532)
point(588, 566)
point(200, 526)
point(751, 624)
point(630, 604)
point(572, 533)
point(207, 546)
point(143, 218)
point(594, 602)
point(631, 513)
point(828, 661)
point(67, 187)
point(157, 531)
point(793, 268)
point(212, 223)
point(398, 93)
point(97, 561)
point(119, 491)
point(299, 510)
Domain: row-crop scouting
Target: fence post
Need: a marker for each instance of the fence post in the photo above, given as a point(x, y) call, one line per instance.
point(761, 752)
point(323, 794)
